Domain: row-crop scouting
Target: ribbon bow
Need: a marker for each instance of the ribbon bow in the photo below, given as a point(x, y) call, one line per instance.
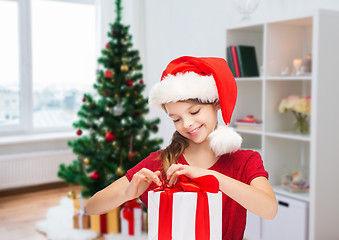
point(201, 185)
point(128, 214)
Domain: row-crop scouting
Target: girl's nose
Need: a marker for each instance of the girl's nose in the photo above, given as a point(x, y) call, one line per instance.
point(188, 122)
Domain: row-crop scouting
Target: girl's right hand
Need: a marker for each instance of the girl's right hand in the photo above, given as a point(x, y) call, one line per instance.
point(141, 181)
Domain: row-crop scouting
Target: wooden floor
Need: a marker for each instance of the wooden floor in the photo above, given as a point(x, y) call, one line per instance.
point(20, 210)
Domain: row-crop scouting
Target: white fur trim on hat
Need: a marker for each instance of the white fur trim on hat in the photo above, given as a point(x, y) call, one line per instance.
point(179, 87)
point(224, 139)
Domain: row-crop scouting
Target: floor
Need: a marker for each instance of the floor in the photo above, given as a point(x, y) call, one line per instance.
point(21, 209)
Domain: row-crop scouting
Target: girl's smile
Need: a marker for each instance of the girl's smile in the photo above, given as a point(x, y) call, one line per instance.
point(195, 121)
point(195, 131)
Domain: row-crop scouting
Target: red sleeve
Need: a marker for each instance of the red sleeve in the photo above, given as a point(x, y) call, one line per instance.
point(254, 168)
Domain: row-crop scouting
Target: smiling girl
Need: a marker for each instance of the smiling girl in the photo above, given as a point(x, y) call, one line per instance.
point(191, 92)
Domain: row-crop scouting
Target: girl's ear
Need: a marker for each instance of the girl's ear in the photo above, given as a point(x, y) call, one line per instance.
point(217, 105)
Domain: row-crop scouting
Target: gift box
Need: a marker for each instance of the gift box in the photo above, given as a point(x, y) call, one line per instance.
point(79, 204)
point(131, 215)
point(106, 223)
point(192, 210)
point(81, 220)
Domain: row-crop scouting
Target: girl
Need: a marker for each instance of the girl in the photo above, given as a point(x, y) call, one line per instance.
point(191, 92)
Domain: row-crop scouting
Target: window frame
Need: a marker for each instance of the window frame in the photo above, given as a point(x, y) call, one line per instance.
point(25, 125)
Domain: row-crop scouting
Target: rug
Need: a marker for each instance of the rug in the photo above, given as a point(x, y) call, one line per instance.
point(58, 225)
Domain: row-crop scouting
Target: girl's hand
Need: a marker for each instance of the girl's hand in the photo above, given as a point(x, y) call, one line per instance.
point(175, 170)
point(141, 181)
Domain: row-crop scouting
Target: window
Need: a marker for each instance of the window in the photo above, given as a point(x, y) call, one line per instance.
point(57, 52)
point(9, 62)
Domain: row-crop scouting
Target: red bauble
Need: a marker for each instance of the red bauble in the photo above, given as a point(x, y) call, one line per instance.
point(107, 45)
point(129, 83)
point(83, 99)
point(79, 132)
point(141, 81)
point(95, 175)
point(108, 74)
point(131, 156)
point(110, 137)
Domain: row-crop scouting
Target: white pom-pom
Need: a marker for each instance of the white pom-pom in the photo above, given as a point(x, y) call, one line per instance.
point(224, 139)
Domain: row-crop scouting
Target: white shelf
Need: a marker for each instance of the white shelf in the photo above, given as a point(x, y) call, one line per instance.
point(288, 78)
point(277, 43)
point(304, 196)
point(289, 135)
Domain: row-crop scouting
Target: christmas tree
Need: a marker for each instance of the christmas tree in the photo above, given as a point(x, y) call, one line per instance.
point(114, 134)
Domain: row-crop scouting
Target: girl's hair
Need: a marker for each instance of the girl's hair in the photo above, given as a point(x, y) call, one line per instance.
point(173, 151)
point(178, 143)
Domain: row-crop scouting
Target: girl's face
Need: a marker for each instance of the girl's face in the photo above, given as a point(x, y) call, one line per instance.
point(193, 120)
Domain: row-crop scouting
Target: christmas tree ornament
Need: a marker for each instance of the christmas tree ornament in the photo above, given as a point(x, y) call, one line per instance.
point(108, 74)
point(116, 95)
point(116, 145)
point(128, 95)
point(129, 83)
point(107, 92)
point(131, 156)
point(83, 99)
point(94, 175)
point(141, 81)
point(71, 194)
point(79, 132)
point(124, 67)
point(107, 45)
point(118, 110)
point(87, 161)
point(120, 171)
point(110, 137)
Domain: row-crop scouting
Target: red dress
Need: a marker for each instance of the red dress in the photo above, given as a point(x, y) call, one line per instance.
point(243, 165)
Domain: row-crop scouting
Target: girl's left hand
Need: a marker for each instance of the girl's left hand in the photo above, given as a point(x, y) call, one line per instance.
point(176, 170)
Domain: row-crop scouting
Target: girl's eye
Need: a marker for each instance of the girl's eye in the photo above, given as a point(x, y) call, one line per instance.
point(176, 120)
point(196, 112)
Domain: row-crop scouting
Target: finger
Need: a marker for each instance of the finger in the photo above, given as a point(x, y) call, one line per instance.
point(152, 176)
point(173, 168)
point(174, 178)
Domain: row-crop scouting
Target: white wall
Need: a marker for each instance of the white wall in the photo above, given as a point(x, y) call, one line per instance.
point(174, 28)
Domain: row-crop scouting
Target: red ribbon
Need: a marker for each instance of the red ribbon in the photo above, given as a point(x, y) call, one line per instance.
point(201, 185)
point(128, 214)
point(103, 223)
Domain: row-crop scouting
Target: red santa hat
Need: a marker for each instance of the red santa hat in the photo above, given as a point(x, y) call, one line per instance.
point(207, 79)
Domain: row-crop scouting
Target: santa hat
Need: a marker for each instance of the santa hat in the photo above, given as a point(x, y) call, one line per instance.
point(207, 79)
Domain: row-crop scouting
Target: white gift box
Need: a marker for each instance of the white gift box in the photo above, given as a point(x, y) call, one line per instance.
point(183, 218)
point(137, 222)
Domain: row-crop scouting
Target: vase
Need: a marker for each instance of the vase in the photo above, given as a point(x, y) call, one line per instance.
point(246, 7)
point(301, 124)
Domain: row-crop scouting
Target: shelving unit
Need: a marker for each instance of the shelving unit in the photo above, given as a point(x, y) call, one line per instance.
point(277, 43)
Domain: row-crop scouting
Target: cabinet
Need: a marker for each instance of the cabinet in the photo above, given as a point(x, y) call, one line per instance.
point(277, 43)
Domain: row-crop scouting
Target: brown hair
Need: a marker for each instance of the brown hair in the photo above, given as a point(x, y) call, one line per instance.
point(178, 142)
point(173, 151)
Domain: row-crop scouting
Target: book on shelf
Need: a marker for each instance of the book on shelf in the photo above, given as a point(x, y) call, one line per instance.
point(248, 123)
point(235, 61)
point(243, 60)
point(230, 60)
point(248, 126)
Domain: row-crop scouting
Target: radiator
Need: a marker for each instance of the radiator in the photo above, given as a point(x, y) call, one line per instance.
point(20, 170)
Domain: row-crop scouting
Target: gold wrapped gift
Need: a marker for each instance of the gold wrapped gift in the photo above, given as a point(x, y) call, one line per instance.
point(81, 221)
point(106, 223)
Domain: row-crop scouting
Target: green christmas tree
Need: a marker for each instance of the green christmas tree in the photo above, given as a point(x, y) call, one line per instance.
point(114, 133)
